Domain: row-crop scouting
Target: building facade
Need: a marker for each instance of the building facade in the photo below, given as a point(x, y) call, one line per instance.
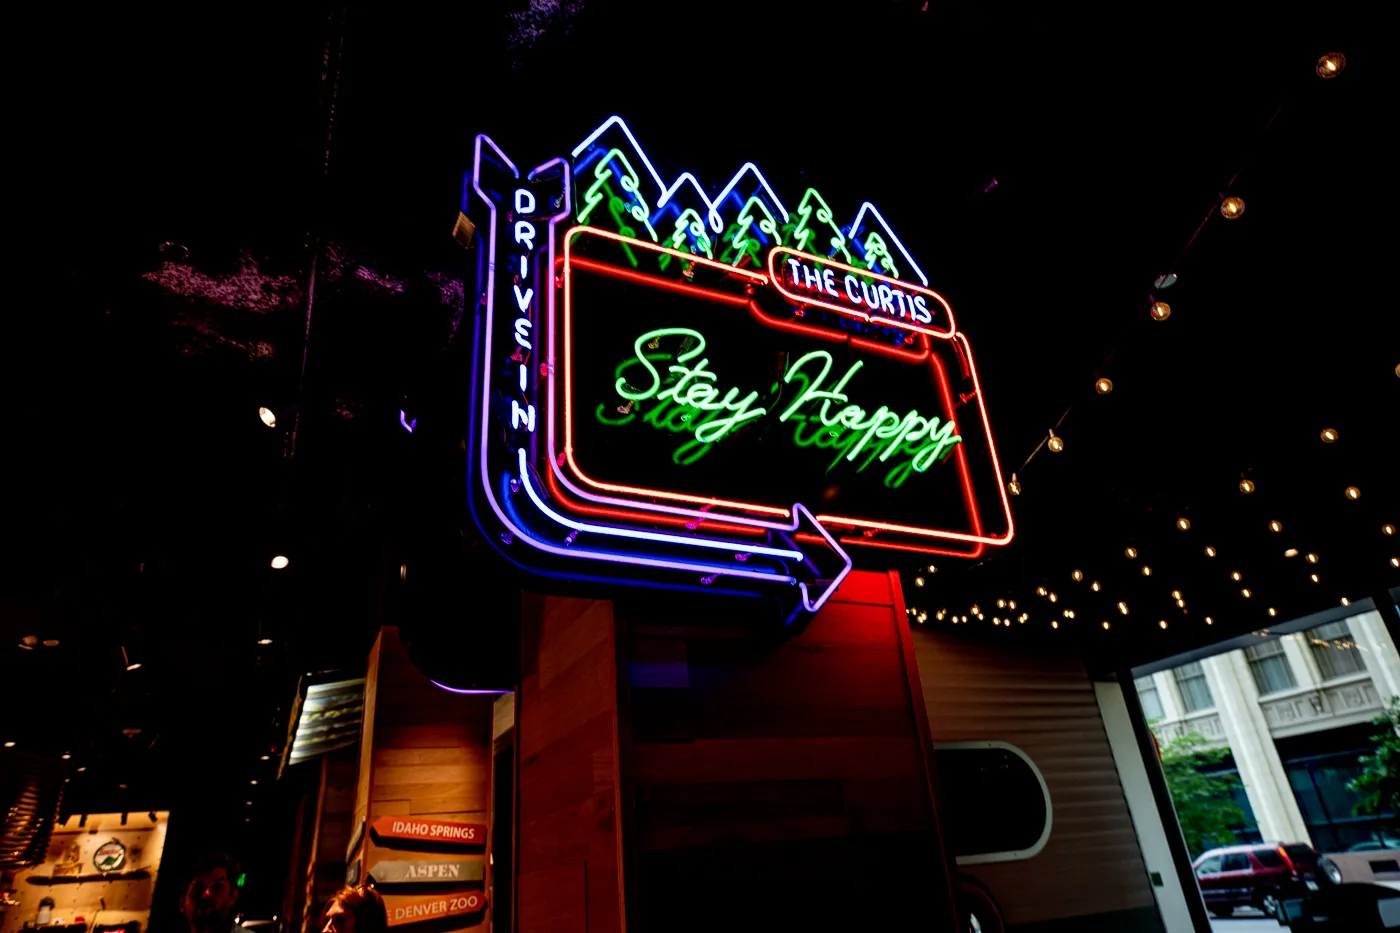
point(1295, 714)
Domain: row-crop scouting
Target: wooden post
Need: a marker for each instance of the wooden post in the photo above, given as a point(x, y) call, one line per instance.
point(425, 754)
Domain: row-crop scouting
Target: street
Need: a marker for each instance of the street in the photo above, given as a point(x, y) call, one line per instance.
point(1246, 920)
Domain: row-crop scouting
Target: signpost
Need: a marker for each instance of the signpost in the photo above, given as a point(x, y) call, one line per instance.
point(402, 911)
point(401, 829)
point(713, 393)
point(427, 872)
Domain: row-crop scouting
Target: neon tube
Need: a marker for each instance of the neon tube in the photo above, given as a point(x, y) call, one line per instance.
point(776, 254)
point(855, 225)
point(763, 182)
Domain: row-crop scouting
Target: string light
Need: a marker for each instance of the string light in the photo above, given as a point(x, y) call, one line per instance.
point(1273, 611)
point(1011, 604)
point(1387, 529)
point(1160, 310)
point(268, 417)
point(1056, 444)
point(1176, 594)
point(1040, 591)
point(1054, 598)
point(1001, 604)
point(1235, 575)
point(1077, 575)
point(1054, 623)
point(1345, 601)
point(1210, 551)
point(1014, 487)
point(1181, 604)
point(1246, 593)
point(1146, 570)
point(1329, 435)
point(1291, 552)
point(1184, 524)
point(1314, 578)
point(1231, 208)
point(1122, 608)
point(1331, 65)
point(1246, 486)
point(1275, 525)
point(1105, 625)
point(280, 562)
point(918, 581)
point(1162, 623)
point(1094, 586)
point(1311, 558)
point(1103, 385)
point(1395, 562)
point(1353, 493)
point(1131, 552)
point(932, 569)
point(1209, 621)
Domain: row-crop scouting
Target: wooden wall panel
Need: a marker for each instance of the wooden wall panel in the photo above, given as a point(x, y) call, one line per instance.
point(1042, 702)
point(570, 876)
point(424, 752)
point(782, 783)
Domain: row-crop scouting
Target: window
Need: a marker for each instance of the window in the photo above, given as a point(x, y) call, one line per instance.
point(1335, 650)
point(1270, 667)
point(1195, 692)
point(1270, 858)
point(1147, 696)
point(1003, 812)
point(1210, 866)
point(1236, 861)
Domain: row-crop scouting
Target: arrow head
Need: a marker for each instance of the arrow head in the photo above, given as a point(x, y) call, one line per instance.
point(825, 563)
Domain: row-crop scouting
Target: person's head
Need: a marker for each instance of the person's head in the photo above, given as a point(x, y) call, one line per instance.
point(212, 894)
point(354, 910)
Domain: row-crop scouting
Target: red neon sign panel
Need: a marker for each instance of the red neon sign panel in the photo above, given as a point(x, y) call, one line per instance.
point(795, 412)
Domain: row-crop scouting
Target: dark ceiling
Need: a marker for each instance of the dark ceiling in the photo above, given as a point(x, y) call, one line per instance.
point(179, 166)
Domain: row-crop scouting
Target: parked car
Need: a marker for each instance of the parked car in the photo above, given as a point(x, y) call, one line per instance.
point(1256, 875)
point(1376, 861)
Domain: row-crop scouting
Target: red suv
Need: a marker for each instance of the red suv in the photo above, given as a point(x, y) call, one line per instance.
point(1255, 876)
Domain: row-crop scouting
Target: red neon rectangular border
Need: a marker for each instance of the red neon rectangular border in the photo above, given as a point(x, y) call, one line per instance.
point(760, 279)
point(847, 310)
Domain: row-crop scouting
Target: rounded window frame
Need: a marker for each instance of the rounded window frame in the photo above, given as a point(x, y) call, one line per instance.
point(1012, 855)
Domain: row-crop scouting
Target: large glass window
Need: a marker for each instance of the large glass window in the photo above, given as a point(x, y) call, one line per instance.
point(1147, 696)
point(1335, 650)
point(1269, 666)
point(1191, 682)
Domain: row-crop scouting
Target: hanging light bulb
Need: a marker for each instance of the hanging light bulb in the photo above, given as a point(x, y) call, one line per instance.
point(1160, 310)
point(1246, 486)
point(1146, 570)
point(268, 416)
point(1103, 385)
point(1275, 525)
point(1054, 623)
point(1353, 493)
point(1001, 604)
point(1273, 611)
point(1231, 208)
point(1235, 575)
point(918, 581)
point(1094, 586)
point(1105, 625)
point(1162, 623)
point(1056, 444)
point(1331, 65)
point(1345, 601)
point(1181, 604)
point(1209, 621)
point(1011, 604)
point(1183, 523)
point(1314, 577)
point(1387, 529)
point(1291, 552)
point(1246, 593)
point(1329, 435)
point(1054, 598)
point(1131, 552)
point(932, 569)
point(1176, 594)
point(1210, 551)
point(1077, 575)
point(1395, 562)
point(280, 562)
point(1014, 487)
point(1122, 608)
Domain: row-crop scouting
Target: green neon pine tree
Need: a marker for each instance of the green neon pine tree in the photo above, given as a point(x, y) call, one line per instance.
point(877, 253)
point(625, 212)
point(739, 239)
point(807, 237)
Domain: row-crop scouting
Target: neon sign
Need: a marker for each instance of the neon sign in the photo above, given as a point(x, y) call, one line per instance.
point(788, 355)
